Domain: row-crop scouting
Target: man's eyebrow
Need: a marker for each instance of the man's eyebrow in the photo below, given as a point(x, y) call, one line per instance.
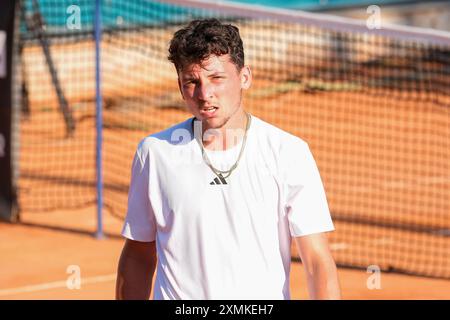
point(187, 77)
point(216, 73)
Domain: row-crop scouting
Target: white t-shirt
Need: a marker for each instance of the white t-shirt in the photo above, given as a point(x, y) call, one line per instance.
point(224, 241)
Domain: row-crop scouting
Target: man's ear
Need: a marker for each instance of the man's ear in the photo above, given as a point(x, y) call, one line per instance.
point(179, 88)
point(246, 77)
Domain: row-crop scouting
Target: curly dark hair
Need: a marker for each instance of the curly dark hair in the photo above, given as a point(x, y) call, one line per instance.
point(202, 38)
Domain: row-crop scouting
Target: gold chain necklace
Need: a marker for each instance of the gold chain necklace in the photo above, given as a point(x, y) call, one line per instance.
point(225, 173)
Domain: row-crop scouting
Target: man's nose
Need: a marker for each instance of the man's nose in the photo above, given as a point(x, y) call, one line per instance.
point(204, 91)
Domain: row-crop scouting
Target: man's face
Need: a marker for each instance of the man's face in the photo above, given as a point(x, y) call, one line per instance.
point(213, 89)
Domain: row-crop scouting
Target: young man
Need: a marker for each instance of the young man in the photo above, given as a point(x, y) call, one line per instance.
point(216, 200)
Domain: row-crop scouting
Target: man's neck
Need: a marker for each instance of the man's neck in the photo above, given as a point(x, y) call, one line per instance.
point(227, 136)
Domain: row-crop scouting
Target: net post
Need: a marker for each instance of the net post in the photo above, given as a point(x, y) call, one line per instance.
point(99, 120)
point(9, 210)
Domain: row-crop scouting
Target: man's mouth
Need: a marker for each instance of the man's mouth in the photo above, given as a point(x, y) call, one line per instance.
point(208, 111)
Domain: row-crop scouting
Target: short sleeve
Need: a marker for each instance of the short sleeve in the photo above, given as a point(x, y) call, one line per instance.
point(306, 203)
point(139, 223)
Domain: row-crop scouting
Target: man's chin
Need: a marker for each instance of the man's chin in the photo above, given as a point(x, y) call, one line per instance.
point(215, 123)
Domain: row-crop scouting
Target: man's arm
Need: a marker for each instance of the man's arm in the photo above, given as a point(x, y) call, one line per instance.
point(135, 272)
point(319, 265)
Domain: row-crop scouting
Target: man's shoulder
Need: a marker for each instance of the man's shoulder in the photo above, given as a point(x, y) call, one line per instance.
point(177, 134)
point(277, 136)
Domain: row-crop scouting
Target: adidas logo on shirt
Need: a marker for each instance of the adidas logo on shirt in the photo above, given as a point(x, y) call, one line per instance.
point(218, 180)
